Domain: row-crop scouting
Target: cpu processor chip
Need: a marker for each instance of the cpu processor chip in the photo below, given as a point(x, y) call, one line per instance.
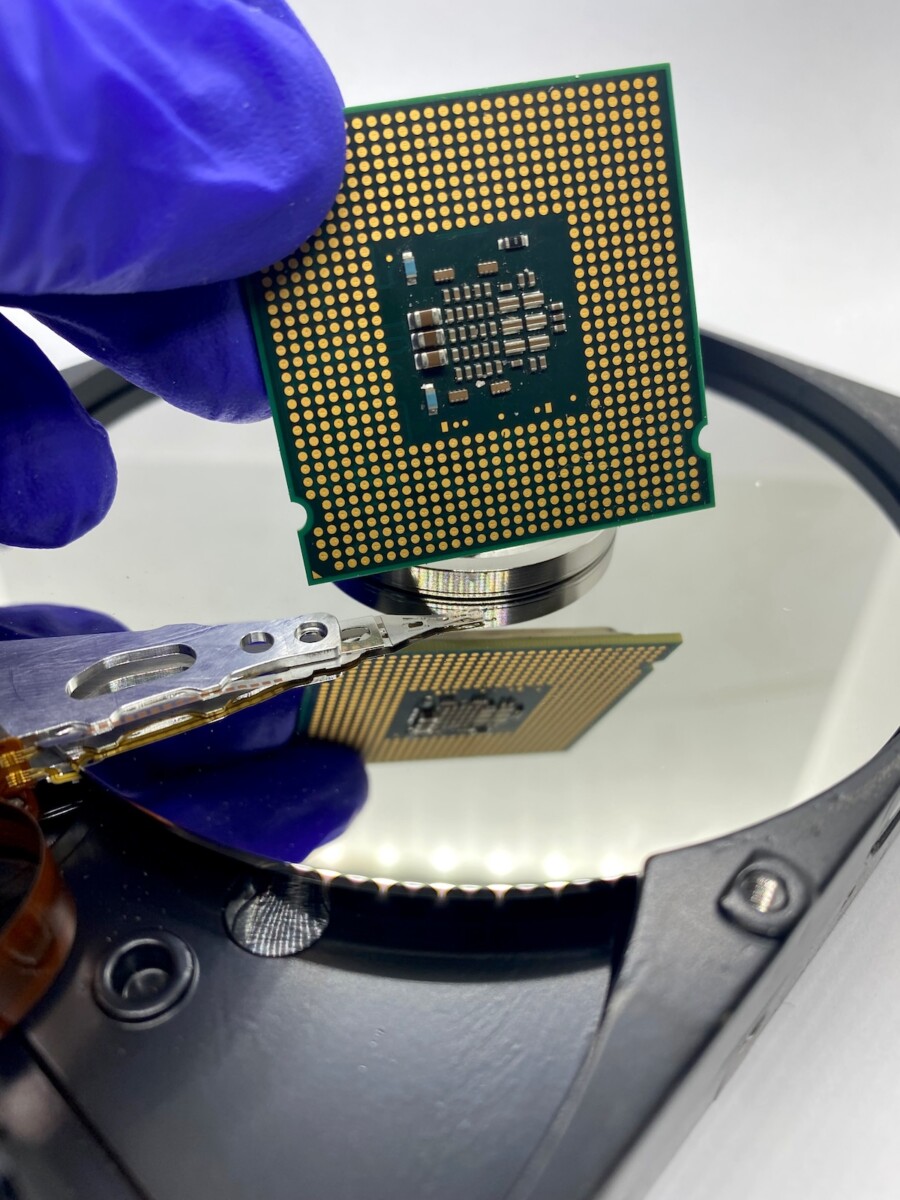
point(493, 692)
point(491, 339)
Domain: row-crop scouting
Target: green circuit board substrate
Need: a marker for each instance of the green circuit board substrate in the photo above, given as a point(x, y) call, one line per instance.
point(491, 339)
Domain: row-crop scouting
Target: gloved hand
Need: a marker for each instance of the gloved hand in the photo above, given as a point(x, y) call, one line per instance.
point(144, 147)
point(247, 783)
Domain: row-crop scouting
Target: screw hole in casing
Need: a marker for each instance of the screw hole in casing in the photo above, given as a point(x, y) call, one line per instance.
point(145, 977)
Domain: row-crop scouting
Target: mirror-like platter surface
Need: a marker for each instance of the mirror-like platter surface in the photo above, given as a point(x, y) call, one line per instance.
point(776, 611)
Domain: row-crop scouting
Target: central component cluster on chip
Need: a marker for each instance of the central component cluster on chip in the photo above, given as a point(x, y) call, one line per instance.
point(483, 330)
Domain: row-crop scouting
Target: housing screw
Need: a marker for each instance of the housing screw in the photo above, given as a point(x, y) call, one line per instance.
point(763, 891)
point(767, 897)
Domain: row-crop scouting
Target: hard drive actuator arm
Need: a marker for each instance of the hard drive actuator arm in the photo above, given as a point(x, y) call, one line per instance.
point(66, 703)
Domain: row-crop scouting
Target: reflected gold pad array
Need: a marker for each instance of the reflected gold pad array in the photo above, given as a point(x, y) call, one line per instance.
point(576, 406)
point(495, 692)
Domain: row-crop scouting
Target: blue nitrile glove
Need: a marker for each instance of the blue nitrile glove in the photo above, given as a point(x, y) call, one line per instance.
point(247, 783)
point(144, 147)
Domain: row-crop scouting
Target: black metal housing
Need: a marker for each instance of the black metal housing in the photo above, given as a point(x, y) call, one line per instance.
point(550, 1047)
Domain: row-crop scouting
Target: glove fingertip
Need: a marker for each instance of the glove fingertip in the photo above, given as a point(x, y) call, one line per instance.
point(57, 471)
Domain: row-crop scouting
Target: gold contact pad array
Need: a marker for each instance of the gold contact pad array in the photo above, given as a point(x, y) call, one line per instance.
point(584, 682)
point(593, 154)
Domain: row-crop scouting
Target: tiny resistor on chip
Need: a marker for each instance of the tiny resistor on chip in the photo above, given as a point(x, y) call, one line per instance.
point(518, 241)
point(409, 267)
point(431, 402)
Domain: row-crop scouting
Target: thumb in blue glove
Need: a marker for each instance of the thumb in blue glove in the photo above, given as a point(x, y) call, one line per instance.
point(151, 155)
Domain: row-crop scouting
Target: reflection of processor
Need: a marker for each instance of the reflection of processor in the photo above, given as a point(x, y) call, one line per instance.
point(500, 692)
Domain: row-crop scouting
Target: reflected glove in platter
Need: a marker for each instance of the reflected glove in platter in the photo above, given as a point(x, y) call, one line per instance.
point(247, 783)
point(150, 155)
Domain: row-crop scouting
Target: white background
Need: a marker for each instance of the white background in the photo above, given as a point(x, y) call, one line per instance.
point(788, 119)
point(788, 123)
